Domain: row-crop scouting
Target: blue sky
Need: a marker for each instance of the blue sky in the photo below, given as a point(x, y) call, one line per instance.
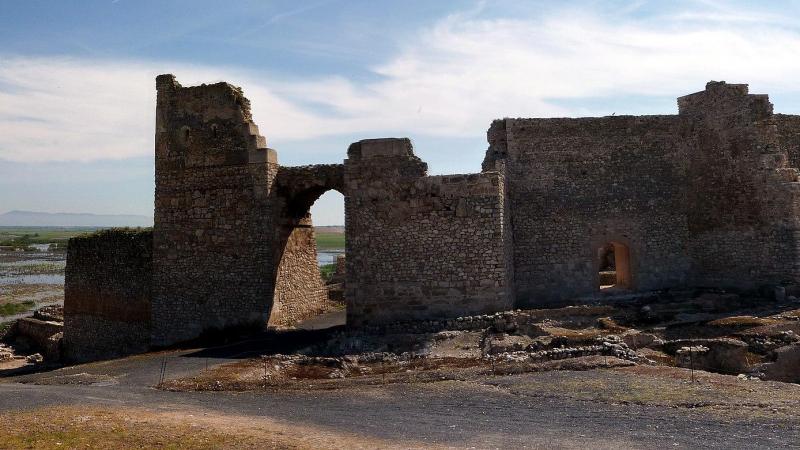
point(77, 91)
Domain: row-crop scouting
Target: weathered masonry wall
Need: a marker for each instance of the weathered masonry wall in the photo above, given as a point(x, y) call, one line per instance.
point(421, 246)
point(707, 197)
point(213, 234)
point(577, 184)
point(789, 136)
point(742, 196)
point(107, 294)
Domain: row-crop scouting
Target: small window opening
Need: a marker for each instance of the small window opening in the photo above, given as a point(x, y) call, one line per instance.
point(214, 131)
point(614, 266)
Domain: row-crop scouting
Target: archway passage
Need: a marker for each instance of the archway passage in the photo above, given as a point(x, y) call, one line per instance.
point(300, 292)
point(614, 267)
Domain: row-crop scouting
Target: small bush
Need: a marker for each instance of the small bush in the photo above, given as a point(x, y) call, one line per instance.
point(327, 271)
point(4, 327)
point(9, 309)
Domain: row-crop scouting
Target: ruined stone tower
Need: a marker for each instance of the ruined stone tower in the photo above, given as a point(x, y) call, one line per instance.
point(213, 224)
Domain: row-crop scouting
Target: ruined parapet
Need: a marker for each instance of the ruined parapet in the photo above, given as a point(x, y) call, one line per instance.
point(729, 105)
point(107, 294)
point(206, 125)
point(213, 249)
point(420, 246)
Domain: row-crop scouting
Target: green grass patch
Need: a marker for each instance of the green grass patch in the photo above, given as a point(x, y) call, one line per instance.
point(329, 241)
point(24, 236)
point(9, 309)
point(327, 271)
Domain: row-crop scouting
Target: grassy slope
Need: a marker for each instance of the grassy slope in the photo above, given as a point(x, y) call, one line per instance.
point(9, 309)
point(329, 241)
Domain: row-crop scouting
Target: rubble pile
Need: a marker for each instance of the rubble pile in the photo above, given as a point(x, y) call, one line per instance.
point(703, 332)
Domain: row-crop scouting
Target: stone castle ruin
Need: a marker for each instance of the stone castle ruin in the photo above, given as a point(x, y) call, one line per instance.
point(705, 198)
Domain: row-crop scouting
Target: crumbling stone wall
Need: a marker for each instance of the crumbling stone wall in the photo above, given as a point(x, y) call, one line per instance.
point(421, 246)
point(46, 336)
point(107, 295)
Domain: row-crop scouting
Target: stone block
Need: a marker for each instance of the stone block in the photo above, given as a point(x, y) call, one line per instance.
point(372, 148)
point(786, 366)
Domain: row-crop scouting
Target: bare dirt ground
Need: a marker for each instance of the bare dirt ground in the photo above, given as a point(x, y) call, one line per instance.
point(172, 427)
point(560, 378)
point(115, 404)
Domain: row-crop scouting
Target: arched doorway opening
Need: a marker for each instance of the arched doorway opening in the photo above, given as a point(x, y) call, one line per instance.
point(614, 267)
point(309, 235)
point(329, 232)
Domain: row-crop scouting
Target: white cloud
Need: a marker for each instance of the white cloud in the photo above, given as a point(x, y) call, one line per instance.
point(449, 80)
point(72, 109)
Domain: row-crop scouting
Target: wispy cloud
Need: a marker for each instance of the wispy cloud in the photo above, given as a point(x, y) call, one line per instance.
point(296, 11)
point(449, 80)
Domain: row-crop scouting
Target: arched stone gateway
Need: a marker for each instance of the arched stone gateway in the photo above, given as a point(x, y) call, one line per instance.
point(299, 290)
point(299, 187)
point(706, 197)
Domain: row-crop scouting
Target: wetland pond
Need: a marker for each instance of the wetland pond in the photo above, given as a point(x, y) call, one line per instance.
point(328, 256)
point(34, 277)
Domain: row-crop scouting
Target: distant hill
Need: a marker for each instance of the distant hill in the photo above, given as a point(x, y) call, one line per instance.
point(41, 219)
